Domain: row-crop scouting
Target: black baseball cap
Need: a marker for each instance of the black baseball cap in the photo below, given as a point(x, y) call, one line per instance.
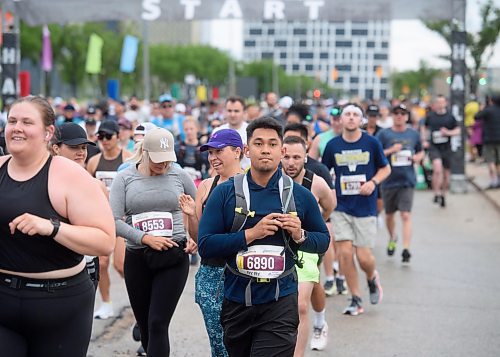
point(72, 134)
point(373, 110)
point(109, 127)
point(402, 107)
point(69, 107)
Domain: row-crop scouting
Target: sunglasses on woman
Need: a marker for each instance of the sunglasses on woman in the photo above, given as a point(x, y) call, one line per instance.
point(102, 136)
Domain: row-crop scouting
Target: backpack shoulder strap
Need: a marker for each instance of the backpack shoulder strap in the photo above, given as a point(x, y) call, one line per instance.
point(286, 190)
point(241, 208)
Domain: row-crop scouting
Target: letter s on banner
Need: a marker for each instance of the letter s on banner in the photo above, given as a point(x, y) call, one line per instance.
point(151, 10)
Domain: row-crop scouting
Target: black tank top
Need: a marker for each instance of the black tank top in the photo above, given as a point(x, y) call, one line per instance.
point(213, 262)
point(20, 252)
point(307, 180)
point(109, 165)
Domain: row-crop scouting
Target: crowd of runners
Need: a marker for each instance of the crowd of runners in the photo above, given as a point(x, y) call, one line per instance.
point(266, 194)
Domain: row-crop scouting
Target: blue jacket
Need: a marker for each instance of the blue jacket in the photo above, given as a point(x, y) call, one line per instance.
point(216, 240)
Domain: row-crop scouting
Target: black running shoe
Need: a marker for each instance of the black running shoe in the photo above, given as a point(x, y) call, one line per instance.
point(443, 202)
point(436, 198)
point(406, 256)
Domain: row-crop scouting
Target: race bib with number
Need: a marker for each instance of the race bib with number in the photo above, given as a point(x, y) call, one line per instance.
point(439, 138)
point(261, 261)
point(159, 224)
point(106, 177)
point(351, 185)
point(402, 158)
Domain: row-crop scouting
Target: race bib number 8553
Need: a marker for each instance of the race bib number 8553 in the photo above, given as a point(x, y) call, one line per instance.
point(154, 223)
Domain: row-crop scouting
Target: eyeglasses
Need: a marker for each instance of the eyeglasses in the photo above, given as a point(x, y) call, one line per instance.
point(102, 136)
point(165, 106)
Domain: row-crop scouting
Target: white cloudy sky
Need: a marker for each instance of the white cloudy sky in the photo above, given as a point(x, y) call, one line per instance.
point(411, 41)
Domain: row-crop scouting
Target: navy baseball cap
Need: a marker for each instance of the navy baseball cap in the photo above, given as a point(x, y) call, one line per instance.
point(373, 110)
point(72, 134)
point(222, 138)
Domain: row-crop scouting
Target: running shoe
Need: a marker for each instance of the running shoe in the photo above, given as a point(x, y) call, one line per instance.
point(355, 307)
point(105, 311)
point(136, 333)
point(443, 202)
point(376, 292)
point(319, 338)
point(341, 288)
point(436, 199)
point(391, 247)
point(329, 287)
point(406, 256)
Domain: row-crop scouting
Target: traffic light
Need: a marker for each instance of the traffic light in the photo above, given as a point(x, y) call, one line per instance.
point(335, 74)
point(483, 80)
point(317, 93)
point(379, 72)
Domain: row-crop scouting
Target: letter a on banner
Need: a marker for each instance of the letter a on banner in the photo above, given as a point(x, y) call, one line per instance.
point(129, 54)
point(94, 55)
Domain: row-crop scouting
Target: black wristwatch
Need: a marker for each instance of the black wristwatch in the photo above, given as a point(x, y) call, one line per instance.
point(56, 223)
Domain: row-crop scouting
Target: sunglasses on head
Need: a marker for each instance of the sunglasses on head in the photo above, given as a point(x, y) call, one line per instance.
point(102, 136)
point(165, 106)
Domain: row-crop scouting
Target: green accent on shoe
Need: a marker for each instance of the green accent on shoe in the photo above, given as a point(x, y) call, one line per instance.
point(391, 247)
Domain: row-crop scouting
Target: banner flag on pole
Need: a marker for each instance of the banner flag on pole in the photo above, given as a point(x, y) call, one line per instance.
point(129, 54)
point(46, 50)
point(94, 54)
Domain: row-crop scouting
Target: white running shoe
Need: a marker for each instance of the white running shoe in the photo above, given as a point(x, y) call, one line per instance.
point(319, 338)
point(105, 311)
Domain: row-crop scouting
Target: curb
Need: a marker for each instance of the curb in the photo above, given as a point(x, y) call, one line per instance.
point(493, 202)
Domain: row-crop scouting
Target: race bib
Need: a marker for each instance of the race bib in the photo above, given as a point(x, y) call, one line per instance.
point(351, 185)
point(106, 177)
point(159, 224)
point(402, 158)
point(439, 138)
point(261, 261)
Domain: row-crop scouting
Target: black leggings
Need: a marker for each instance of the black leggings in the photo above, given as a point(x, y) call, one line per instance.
point(36, 323)
point(154, 295)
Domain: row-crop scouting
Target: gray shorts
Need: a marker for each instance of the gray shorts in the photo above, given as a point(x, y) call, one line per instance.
point(361, 231)
point(398, 199)
point(491, 153)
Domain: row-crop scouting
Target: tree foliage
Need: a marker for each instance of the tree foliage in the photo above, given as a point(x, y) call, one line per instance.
point(414, 83)
point(480, 45)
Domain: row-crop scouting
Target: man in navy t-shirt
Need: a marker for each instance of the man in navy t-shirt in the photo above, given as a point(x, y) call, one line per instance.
point(402, 147)
point(359, 165)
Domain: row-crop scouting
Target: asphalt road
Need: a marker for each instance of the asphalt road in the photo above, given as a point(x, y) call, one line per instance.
point(446, 302)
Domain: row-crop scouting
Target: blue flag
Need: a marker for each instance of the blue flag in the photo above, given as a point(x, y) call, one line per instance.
point(129, 54)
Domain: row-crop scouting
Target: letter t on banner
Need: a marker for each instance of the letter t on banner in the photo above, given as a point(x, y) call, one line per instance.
point(129, 54)
point(94, 55)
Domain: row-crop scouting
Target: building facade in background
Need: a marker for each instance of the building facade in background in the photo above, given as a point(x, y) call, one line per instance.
point(350, 56)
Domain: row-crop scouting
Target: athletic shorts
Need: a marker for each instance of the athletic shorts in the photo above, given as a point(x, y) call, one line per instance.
point(398, 199)
point(491, 153)
point(443, 153)
point(309, 270)
point(361, 231)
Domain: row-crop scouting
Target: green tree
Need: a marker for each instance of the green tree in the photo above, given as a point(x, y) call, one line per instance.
point(414, 83)
point(480, 45)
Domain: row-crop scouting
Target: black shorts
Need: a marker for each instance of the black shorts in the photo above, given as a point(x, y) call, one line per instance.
point(261, 330)
point(441, 152)
point(398, 199)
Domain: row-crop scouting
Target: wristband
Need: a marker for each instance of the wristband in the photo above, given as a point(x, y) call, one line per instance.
point(56, 223)
point(303, 237)
point(374, 181)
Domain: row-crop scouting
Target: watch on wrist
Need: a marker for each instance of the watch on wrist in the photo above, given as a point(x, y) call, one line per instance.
point(374, 181)
point(56, 223)
point(303, 236)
